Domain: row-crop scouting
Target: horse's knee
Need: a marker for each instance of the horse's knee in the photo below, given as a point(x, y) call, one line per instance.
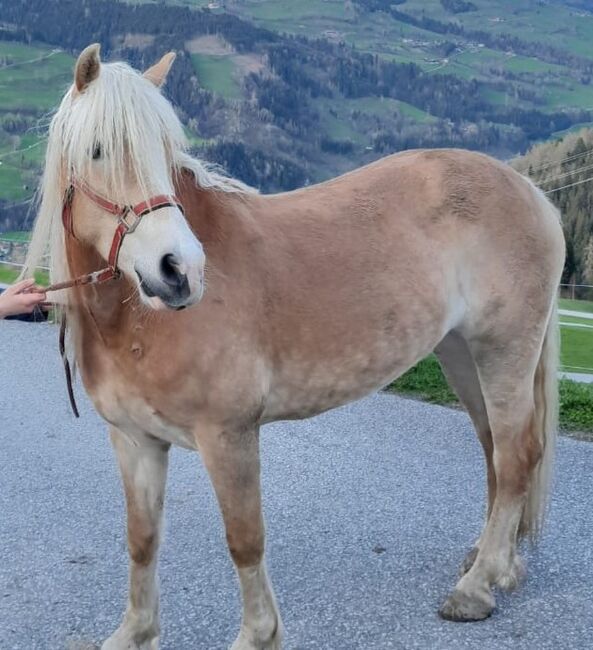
point(245, 546)
point(516, 456)
point(142, 549)
point(143, 535)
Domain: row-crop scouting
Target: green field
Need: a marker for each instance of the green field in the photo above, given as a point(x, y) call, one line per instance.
point(555, 86)
point(16, 235)
point(576, 305)
point(577, 342)
point(9, 274)
point(376, 32)
point(35, 78)
point(32, 81)
point(217, 74)
point(576, 349)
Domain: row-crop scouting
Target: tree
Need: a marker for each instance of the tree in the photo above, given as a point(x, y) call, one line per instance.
point(588, 262)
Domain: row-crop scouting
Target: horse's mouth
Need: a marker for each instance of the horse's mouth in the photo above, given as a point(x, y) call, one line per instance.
point(161, 299)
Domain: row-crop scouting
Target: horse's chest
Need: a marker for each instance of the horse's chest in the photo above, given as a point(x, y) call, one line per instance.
point(126, 405)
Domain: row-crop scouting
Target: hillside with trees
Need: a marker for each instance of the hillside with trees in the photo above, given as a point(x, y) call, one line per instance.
point(283, 94)
point(564, 169)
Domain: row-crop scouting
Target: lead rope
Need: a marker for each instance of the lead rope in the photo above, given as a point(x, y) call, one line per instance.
point(67, 369)
point(91, 278)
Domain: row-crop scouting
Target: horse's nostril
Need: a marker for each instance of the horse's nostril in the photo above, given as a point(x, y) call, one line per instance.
point(170, 271)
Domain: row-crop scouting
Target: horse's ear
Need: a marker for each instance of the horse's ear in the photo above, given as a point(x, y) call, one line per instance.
point(87, 67)
point(158, 72)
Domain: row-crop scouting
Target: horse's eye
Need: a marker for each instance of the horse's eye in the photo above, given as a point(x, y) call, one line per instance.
point(97, 152)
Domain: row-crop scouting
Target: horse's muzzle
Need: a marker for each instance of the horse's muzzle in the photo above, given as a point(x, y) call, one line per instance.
point(172, 288)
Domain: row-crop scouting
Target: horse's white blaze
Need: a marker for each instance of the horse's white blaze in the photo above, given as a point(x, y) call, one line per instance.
point(162, 233)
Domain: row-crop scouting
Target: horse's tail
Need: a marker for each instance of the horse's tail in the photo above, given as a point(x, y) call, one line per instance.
point(544, 428)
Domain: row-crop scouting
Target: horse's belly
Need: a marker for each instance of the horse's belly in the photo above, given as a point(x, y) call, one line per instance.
point(312, 390)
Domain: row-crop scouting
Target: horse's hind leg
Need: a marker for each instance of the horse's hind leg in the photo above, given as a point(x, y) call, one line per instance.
point(144, 471)
point(460, 370)
point(517, 378)
point(232, 460)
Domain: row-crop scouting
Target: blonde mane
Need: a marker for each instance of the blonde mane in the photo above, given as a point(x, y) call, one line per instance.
point(127, 116)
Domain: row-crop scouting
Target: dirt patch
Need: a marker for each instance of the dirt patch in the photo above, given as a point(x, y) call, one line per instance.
point(248, 63)
point(211, 44)
point(139, 41)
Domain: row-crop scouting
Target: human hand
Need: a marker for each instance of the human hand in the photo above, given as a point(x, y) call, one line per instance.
point(21, 298)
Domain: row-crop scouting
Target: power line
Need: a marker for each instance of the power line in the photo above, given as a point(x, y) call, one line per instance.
point(565, 174)
point(16, 64)
point(31, 146)
point(555, 162)
point(557, 189)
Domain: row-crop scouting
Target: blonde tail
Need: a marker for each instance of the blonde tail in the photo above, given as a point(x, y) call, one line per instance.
point(545, 425)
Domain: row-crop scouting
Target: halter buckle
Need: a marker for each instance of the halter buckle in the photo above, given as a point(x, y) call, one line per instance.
point(122, 219)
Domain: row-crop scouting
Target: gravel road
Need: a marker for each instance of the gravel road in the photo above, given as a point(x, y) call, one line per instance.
point(370, 509)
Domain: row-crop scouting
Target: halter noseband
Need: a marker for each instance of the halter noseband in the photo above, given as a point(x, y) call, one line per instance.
point(125, 226)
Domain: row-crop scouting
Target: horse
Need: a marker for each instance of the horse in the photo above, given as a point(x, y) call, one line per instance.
point(226, 309)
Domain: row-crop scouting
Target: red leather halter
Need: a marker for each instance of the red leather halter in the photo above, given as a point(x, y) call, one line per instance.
point(128, 218)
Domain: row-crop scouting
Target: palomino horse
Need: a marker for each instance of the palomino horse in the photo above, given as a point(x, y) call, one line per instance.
point(307, 300)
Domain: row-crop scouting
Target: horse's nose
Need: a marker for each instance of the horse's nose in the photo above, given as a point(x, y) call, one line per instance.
point(173, 275)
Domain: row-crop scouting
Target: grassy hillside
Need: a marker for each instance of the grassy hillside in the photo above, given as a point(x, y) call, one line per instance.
point(32, 81)
point(286, 93)
point(541, 83)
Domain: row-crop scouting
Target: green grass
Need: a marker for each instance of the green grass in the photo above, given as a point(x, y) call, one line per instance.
point(381, 34)
point(570, 95)
point(289, 10)
point(9, 274)
point(32, 80)
point(12, 183)
point(217, 74)
point(35, 80)
point(576, 406)
point(384, 106)
point(16, 235)
point(577, 320)
point(576, 305)
point(427, 382)
point(576, 349)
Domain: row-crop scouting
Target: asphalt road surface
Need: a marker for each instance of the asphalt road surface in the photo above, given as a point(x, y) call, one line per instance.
point(370, 509)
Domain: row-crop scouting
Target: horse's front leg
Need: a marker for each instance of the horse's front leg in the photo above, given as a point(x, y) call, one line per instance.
point(144, 471)
point(232, 460)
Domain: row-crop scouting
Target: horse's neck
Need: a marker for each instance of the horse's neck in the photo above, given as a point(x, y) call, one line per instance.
point(228, 226)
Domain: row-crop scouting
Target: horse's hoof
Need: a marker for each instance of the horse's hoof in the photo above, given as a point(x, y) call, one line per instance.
point(122, 641)
point(468, 561)
point(244, 643)
point(461, 607)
